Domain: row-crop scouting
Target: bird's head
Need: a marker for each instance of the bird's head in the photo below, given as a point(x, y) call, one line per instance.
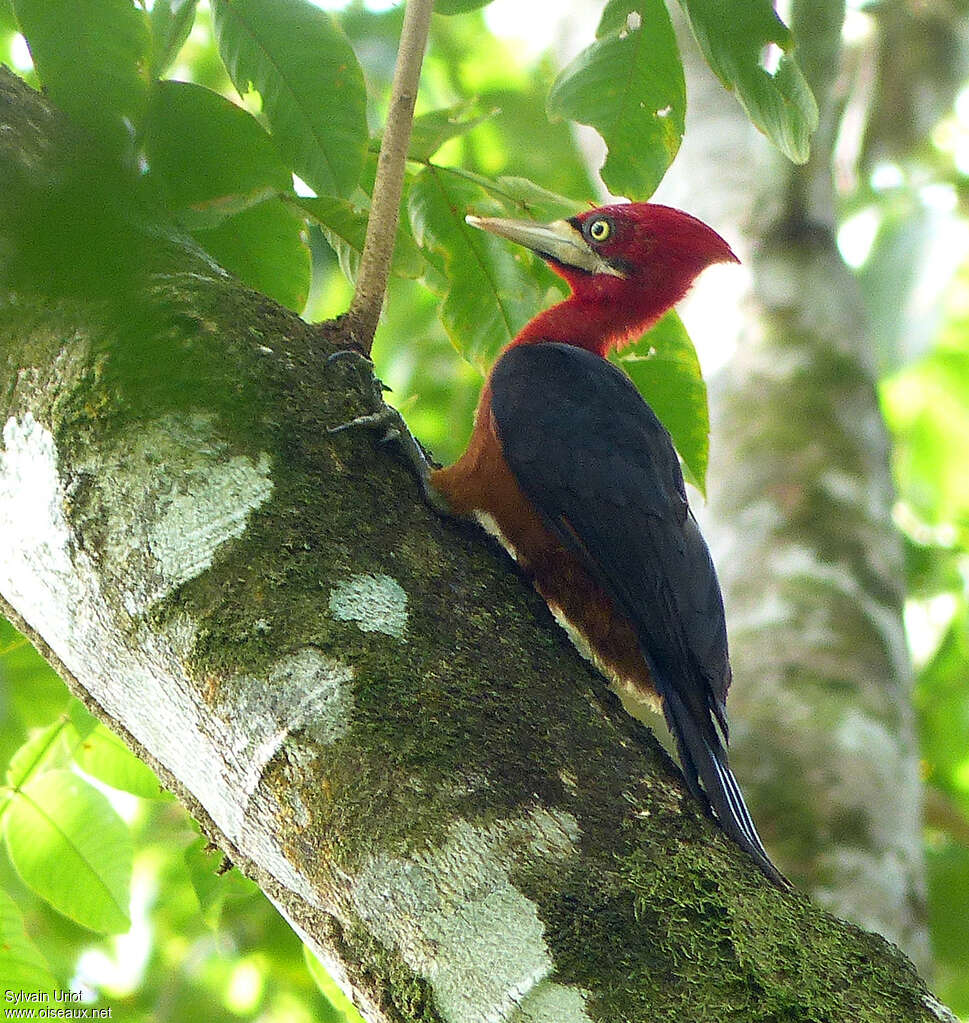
point(626, 264)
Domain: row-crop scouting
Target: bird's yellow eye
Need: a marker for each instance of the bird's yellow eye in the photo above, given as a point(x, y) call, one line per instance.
point(599, 230)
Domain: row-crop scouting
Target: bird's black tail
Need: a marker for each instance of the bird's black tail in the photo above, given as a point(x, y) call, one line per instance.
point(704, 759)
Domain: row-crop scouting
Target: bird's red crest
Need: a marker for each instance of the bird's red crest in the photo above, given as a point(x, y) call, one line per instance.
point(632, 262)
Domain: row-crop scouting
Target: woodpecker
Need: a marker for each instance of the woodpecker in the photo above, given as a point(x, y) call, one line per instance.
point(572, 470)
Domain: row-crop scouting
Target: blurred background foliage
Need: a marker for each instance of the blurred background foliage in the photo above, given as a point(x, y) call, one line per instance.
point(205, 945)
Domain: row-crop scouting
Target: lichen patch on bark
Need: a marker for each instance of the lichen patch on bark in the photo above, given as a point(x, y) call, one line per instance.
point(548, 1002)
point(377, 603)
point(456, 918)
point(166, 496)
point(32, 522)
point(304, 693)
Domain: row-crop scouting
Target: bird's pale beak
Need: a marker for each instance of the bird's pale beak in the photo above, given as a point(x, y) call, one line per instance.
point(558, 241)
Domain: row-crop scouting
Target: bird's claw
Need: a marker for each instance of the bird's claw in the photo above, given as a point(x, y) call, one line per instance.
point(348, 353)
point(387, 419)
point(390, 423)
point(362, 360)
point(364, 366)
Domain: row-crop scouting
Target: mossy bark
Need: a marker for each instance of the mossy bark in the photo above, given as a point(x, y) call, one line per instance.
point(364, 704)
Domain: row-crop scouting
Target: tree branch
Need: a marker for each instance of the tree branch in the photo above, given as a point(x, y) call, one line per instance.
point(378, 248)
point(373, 714)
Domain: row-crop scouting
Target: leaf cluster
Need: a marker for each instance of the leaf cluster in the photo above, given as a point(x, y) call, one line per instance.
point(277, 178)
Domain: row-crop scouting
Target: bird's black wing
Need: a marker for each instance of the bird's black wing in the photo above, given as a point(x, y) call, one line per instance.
point(594, 460)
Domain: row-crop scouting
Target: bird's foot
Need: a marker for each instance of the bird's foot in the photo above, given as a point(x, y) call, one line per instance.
point(389, 423)
point(372, 387)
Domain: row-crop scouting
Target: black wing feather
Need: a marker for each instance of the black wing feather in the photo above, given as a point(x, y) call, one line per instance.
point(598, 465)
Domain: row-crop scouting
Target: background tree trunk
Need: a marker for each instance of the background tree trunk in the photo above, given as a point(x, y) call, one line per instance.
point(365, 706)
point(800, 514)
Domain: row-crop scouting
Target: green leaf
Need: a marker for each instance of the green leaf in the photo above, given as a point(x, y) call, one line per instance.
point(311, 85)
point(941, 703)
point(93, 58)
point(339, 1008)
point(733, 35)
point(104, 756)
point(41, 749)
point(492, 288)
point(214, 889)
point(664, 367)
point(22, 966)
point(209, 158)
point(265, 248)
point(34, 694)
point(431, 130)
point(345, 228)
point(524, 198)
point(927, 406)
point(947, 868)
point(629, 86)
point(83, 723)
point(8, 20)
point(71, 848)
point(515, 196)
point(171, 23)
point(458, 6)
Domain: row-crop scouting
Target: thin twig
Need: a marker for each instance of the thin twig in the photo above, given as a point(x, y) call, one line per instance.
point(382, 227)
